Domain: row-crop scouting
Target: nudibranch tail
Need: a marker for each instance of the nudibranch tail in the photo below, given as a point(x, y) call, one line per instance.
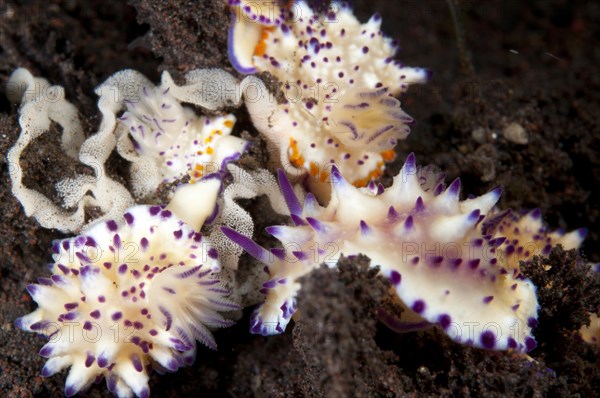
point(526, 235)
point(425, 240)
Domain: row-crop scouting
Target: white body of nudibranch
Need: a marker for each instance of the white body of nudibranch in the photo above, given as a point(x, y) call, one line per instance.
point(426, 241)
point(166, 140)
point(339, 80)
point(128, 296)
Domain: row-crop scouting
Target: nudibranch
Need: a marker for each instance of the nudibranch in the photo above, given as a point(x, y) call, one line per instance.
point(525, 236)
point(165, 140)
point(339, 79)
point(130, 295)
point(425, 240)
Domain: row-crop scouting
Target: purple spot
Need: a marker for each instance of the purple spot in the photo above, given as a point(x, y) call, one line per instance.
point(165, 213)
point(63, 268)
point(512, 343)
point(497, 241)
point(154, 210)
point(102, 361)
point(172, 365)
point(364, 228)
point(116, 316)
point(32, 289)
point(89, 360)
point(168, 316)
point(530, 343)
point(546, 250)
point(455, 262)
point(532, 323)
point(454, 188)
point(445, 321)
point(122, 268)
point(408, 224)
point(212, 253)
point(488, 339)
point(117, 240)
point(418, 306)
point(70, 391)
point(488, 299)
point(419, 206)
point(45, 281)
point(46, 351)
point(178, 234)
point(145, 393)
point(70, 316)
point(128, 218)
point(137, 364)
point(435, 261)
point(112, 225)
point(473, 264)
point(395, 278)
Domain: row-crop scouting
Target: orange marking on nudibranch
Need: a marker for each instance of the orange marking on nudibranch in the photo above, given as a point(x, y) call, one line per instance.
point(324, 176)
point(314, 169)
point(261, 47)
point(209, 150)
point(373, 175)
point(295, 157)
point(388, 155)
point(228, 123)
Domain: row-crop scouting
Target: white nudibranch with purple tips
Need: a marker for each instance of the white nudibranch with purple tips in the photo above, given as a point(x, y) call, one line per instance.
point(339, 79)
point(166, 140)
point(131, 295)
point(425, 240)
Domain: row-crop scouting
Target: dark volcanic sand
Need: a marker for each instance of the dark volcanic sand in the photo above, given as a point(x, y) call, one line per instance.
point(534, 63)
